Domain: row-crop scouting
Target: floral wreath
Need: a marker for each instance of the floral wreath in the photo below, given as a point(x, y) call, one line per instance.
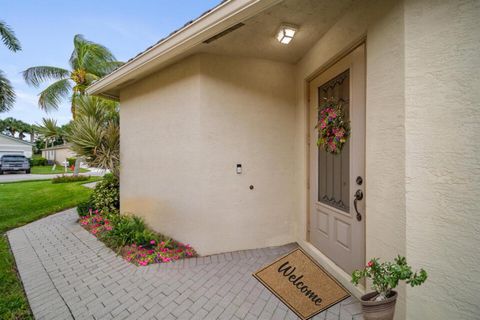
point(333, 129)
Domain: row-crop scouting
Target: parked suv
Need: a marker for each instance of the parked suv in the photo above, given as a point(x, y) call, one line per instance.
point(13, 162)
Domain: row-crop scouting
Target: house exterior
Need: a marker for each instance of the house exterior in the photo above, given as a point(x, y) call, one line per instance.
point(11, 145)
point(58, 154)
point(229, 115)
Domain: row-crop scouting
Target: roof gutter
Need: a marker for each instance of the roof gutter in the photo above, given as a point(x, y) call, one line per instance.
point(224, 16)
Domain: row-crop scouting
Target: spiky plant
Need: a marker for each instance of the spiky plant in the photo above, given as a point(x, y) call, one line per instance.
point(48, 130)
point(7, 95)
point(95, 133)
point(88, 62)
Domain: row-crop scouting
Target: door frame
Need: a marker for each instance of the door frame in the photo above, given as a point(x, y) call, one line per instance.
point(323, 259)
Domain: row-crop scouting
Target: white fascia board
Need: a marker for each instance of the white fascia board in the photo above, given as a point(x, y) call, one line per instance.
point(222, 17)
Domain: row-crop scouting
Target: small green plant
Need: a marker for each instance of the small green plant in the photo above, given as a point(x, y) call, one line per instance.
point(66, 179)
point(71, 161)
point(129, 230)
point(83, 208)
point(386, 276)
point(106, 196)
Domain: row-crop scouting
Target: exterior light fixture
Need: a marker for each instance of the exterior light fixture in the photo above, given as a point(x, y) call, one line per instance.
point(286, 33)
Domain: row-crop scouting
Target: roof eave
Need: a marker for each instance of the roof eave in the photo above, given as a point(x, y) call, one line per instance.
point(225, 15)
point(17, 140)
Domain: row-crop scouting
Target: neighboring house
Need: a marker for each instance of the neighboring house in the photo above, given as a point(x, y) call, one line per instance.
point(222, 92)
point(11, 145)
point(58, 154)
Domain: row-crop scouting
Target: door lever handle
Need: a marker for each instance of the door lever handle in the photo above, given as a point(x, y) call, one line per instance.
point(358, 196)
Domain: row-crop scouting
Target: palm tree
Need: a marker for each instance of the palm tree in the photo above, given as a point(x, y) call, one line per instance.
point(95, 133)
point(89, 61)
point(24, 128)
point(11, 126)
point(7, 95)
point(48, 130)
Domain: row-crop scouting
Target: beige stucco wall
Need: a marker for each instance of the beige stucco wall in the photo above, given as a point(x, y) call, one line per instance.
point(422, 160)
point(442, 89)
point(198, 119)
point(381, 22)
point(422, 184)
point(58, 155)
point(61, 155)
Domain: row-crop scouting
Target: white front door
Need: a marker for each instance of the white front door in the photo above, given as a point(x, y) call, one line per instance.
point(337, 182)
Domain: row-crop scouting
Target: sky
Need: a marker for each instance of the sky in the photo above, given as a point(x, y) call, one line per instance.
point(46, 29)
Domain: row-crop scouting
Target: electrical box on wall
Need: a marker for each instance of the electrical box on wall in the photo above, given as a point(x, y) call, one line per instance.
point(239, 168)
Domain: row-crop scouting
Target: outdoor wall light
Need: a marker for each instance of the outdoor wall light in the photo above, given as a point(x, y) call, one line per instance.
point(286, 33)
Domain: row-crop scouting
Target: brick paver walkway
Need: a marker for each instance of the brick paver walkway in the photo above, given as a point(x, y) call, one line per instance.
point(68, 274)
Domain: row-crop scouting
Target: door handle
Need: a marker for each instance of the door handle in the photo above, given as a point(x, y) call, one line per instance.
point(358, 196)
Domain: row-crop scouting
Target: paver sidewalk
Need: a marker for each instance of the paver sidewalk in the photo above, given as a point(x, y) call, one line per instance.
point(68, 274)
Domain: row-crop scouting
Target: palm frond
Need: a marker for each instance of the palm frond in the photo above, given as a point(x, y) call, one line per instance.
point(85, 135)
point(95, 132)
point(89, 55)
point(9, 38)
point(7, 95)
point(36, 75)
point(51, 97)
point(48, 128)
point(96, 107)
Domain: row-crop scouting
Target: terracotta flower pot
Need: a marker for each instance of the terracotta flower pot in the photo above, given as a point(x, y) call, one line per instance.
point(378, 310)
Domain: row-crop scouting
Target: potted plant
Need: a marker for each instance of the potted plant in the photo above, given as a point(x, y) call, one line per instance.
point(385, 276)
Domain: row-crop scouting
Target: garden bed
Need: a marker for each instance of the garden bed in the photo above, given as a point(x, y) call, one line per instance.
point(129, 237)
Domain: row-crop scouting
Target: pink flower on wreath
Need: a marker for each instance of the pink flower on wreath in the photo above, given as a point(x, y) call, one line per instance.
point(152, 242)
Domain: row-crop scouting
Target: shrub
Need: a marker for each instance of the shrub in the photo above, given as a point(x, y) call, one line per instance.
point(65, 179)
point(84, 208)
point(129, 236)
point(129, 230)
point(38, 162)
point(106, 196)
point(71, 161)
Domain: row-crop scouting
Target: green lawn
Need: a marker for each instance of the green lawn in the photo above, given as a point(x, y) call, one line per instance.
point(21, 203)
point(48, 170)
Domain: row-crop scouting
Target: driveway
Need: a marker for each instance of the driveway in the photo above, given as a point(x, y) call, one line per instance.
point(68, 274)
point(10, 177)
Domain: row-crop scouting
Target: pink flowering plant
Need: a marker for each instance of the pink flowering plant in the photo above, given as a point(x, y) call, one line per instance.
point(95, 222)
point(164, 251)
point(129, 236)
point(385, 276)
point(333, 128)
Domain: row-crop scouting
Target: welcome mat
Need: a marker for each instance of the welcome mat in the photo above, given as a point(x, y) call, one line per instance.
point(303, 285)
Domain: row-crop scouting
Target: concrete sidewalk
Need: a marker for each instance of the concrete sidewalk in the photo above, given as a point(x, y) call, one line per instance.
point(68, 274)
point(11, 177)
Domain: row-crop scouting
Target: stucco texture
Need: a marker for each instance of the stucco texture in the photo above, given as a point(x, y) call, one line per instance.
point(380, 23)
point(185, 128)
point(442, 82)
point(199, 119)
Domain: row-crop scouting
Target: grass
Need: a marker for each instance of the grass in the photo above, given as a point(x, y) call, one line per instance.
point(48, 170)
point(21, 203)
